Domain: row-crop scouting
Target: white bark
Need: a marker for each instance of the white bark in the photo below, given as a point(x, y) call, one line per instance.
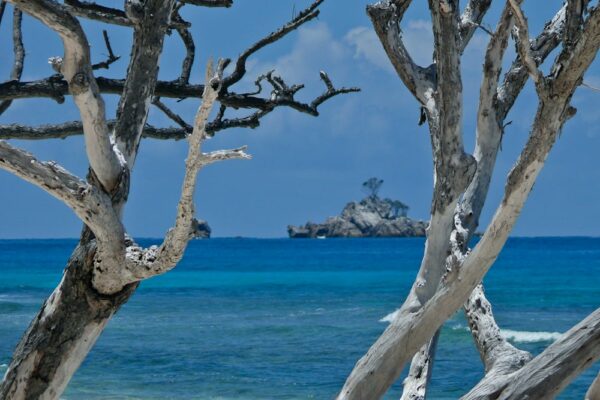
point(549, 373)
point(593, 392)
point(386, 17)
point(103, 273)
point(496, 353)
point(89, 203)
point(76, 68)
point(144, 263)
point(62, 333)
point(488, 139)
point(376, 371)
point(521, 34)
point(421, 366)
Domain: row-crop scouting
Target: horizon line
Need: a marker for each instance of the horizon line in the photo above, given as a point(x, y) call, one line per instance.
point(286, 237)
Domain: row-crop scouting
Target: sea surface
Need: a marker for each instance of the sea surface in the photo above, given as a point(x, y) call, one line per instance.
point(287, 319)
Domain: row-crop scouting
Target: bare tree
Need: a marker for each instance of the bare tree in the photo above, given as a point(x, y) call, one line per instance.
point(450, 272)
point(107, 265)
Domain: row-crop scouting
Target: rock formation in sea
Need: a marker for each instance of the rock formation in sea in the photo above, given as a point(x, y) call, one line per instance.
point(201, 229)
point(371, 217)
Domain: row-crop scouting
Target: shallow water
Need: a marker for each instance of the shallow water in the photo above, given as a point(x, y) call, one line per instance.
point(287, 319)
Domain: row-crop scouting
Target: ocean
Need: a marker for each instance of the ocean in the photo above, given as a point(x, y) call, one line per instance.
point(287, 319)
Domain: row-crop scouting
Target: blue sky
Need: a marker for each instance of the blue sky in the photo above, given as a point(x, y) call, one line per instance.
point(304, 168)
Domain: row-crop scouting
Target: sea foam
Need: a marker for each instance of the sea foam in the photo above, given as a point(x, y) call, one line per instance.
point(515, 336)
point(529, 337)
point(390, 317)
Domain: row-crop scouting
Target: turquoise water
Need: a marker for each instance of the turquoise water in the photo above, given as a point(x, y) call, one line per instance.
point(287, 319)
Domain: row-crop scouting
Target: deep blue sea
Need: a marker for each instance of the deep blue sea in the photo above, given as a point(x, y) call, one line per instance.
point(287, 319)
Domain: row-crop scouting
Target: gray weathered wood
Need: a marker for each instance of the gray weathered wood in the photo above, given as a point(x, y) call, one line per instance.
point(381, 365)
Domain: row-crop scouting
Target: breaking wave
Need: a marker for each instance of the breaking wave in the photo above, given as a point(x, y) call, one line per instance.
point(508, 334)
point(390, 317)
point(529, 337)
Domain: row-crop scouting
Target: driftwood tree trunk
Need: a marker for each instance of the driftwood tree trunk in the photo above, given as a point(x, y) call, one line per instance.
point(107, 266)
point(593, 392)
point(450, 271)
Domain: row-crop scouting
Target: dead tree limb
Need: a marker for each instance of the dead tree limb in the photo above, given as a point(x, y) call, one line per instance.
point(412, 327)
point(549, 373)
point(18, 51)
point(106, 267)
point(593, 392)
point(77, 71)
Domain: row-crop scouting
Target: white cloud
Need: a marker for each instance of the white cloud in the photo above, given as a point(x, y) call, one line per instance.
point(417, 37)
point(314, 49)
point(367, 46)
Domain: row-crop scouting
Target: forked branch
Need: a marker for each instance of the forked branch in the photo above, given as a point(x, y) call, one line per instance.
point(77, 71)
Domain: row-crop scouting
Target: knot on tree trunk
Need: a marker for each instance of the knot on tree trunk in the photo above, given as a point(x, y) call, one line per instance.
point(79, 83)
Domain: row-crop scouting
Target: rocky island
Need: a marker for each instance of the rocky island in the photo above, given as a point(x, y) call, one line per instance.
point(200, 229)
point(371, 217)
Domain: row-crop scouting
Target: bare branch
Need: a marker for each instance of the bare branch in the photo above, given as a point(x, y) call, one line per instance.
point(111, 56)
point(280, 98)
point(251, 121)
point(172, 115)
point(416, 382)
point(489, 126)
point(521, 33)
point(2, 8)
point(386, 17)
point(142, 74)
point(75, 128)
point(413, 325)
point(516, 77)
point(223, 155)
point(18, 50)
point(153, 261)
point(496, 353)
point(190, 48)
point(549, 373)
point(98, 12)
point(453, 168)
point(471, 19)
point(329, 93)
point(567, 71)
point(91, 205)
point(55, 87)
point(210, 3)
point(306, 15)
point(77, 70)
point(593, 392)
point(574, 20)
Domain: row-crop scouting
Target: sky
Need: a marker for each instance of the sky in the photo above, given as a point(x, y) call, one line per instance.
point(303, 168)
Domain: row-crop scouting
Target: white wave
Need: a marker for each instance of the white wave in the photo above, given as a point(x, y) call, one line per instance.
point(390, 317)
point(508, 334)
point(529, 337)
point(459, 327)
